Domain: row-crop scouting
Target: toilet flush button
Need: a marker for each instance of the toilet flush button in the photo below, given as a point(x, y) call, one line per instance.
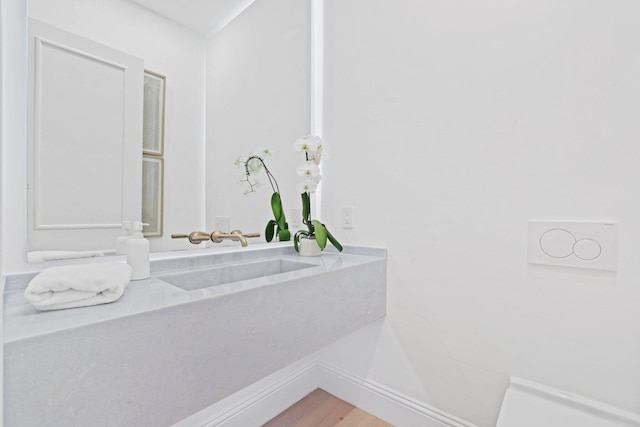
point(587, 249)
point(557, 243)
point(581, 244)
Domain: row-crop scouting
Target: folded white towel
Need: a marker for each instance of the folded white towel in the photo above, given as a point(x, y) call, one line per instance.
point(78, 285)
point(39, 256)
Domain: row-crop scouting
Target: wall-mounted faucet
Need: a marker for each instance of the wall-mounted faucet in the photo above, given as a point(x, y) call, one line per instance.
point(217, 236)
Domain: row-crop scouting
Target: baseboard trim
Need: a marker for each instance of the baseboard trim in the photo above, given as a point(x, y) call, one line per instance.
point(382, 401)
point(257, 406)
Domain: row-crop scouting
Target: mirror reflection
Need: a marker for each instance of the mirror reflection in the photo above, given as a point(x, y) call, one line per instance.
point(254, 77)
point(84, 140)
point(86, 166)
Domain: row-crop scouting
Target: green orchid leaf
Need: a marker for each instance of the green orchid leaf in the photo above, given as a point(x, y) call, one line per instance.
point(296, 238)
point(282, 222)
point(284, 235)
point(333, 240)
point(306, 207)
point(276, 206)
point(320, 232)
point(270, 230)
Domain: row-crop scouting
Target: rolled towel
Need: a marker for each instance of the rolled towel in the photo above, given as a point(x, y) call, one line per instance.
point(40, 256)
point(78, 285)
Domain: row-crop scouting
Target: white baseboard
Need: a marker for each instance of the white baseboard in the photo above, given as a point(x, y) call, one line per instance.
point(383, 402)
point(259, 406)
point(256, 405)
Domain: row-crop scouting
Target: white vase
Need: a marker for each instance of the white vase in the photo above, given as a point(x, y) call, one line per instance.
point(308, 247)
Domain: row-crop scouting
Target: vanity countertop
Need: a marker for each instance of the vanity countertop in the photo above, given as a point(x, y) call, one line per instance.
point(197, 346)
point(22, 320)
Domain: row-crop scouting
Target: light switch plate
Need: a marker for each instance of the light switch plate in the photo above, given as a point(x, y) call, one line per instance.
point(347, 217)
point(580, 244)
point(295, 215)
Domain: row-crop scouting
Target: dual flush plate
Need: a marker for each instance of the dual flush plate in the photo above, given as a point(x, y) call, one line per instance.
point(581, 244)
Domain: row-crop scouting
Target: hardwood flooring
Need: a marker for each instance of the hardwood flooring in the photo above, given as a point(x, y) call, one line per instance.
point(321, 409)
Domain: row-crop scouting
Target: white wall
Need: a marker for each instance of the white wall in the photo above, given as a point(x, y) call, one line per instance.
point(258, 95)
point(12, 135)
point(168, 49)
point(453, 123)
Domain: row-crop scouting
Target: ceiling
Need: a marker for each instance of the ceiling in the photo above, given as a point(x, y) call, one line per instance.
point(202, 16)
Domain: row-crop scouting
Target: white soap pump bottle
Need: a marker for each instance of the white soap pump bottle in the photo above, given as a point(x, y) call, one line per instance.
point(138, 253)
point(122, 239)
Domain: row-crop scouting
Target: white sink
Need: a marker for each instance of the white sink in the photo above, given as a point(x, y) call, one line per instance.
point(206, 277)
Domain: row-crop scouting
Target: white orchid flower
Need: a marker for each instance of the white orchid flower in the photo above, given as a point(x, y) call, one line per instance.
point(318, 156)
point(308, 169)
point(261, 152)
point(308, 144)
point(307, 186)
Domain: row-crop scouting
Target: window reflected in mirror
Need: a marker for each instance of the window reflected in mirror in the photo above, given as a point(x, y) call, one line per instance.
point(153, 153)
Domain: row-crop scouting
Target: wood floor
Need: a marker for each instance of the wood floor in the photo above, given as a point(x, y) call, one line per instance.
point(321, 409)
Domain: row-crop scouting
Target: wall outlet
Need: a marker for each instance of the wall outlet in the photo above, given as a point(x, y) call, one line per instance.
point(295, 217)
point(347, 217)
point(222, 223)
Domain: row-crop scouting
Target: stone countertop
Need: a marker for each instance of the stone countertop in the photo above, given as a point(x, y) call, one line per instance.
point(22, 320)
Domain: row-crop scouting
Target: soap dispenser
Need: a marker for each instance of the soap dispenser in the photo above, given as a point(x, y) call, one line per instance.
point(122, 239)
point(138, 253)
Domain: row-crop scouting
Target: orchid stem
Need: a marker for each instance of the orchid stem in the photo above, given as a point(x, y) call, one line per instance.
point(272, 179)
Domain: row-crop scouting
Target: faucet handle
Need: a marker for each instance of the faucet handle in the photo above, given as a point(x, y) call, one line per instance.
point(194, 237)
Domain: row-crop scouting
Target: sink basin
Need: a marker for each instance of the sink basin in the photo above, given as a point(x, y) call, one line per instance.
point(221, 274)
